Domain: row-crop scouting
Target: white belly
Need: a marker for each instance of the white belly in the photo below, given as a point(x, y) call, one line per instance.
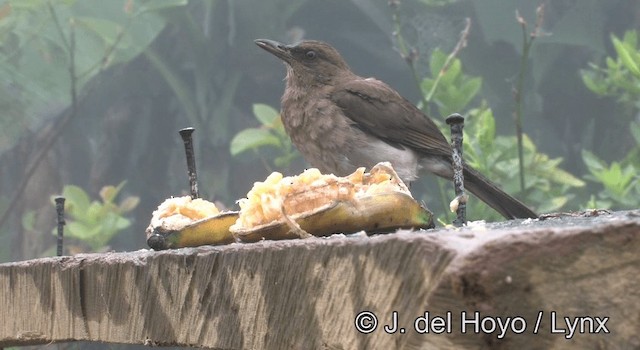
point(403, 160)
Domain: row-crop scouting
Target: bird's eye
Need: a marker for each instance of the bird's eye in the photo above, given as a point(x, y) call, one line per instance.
point(311, 54)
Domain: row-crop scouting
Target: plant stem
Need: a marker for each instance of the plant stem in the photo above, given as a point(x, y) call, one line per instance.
point(527, 42)
point(59, 127)
point(462, 42)
point(410, 56)
point(518, 111)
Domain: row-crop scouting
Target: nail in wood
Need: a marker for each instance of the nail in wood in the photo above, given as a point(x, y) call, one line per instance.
point(456, 123)
point(60, 211)
point(187, 138)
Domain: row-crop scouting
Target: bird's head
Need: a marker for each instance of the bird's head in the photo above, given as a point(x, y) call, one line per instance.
point(308, 62)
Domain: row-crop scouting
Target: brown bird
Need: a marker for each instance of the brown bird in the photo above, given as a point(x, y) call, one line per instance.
point(340, 121)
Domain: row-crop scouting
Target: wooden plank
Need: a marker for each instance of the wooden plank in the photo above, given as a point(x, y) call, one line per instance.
point(307, 294)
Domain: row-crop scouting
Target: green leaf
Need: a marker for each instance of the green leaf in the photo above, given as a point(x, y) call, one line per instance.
point(452, 73)
point(437, 61)
point(121, 223)
point(77, 200)
point(426, 85)
point(611, 63)
point(94, 214)
point(593, 163)
point(158, 5)
point(104, 29)
point(36, 59)
point(627, 55)
point(95, 223)
point(81, 231)
point(112, 224)
point(278, 128)
point(266, 114)
point(129, 203)
point(252, 138)
point(563, 177)
point(486, 131)
point(109, 193)
point(599, 87)
point(468, 91)
point(611, 178)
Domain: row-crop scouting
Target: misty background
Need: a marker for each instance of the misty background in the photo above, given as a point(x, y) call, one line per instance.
point(92, 94)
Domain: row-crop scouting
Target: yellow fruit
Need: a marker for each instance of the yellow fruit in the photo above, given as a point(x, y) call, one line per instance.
point(316, 204)
point(292, 207)
point(184, 222)
point(377, 213)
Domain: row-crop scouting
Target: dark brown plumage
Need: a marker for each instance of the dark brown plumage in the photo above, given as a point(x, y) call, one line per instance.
point(340, 121)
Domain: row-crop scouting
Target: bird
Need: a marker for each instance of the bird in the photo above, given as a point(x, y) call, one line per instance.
point(340, 121)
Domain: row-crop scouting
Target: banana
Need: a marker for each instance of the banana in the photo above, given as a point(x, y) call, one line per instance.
point(377, 213)
point(293, 207)
point(208, 231)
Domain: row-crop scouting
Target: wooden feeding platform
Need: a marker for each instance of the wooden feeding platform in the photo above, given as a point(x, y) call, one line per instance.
point(567, 282)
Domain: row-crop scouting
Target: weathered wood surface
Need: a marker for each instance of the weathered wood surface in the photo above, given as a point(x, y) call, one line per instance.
point(305, 294)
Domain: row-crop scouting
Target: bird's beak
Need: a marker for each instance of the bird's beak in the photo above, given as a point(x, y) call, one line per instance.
point(279, 50)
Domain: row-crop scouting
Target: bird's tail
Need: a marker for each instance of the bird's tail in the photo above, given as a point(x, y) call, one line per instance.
point(496, 198)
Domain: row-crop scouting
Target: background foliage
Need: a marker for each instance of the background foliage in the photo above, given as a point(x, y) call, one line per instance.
point(93, 92)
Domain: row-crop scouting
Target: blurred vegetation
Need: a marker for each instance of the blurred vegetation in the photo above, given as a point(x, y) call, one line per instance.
point(93, 92)
point(51, 47)
point(450, 90)
point(548, 188)
point(89, 224)
point(619, 79)
point(270, 134)
point(95, 223)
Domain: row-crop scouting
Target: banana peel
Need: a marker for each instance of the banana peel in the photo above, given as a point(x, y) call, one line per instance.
point(377, 213)
point(293, 207)
point(208, 231)
point(187, 222)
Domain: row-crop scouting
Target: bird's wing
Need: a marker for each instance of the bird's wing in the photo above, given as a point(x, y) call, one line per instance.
point(376, 108)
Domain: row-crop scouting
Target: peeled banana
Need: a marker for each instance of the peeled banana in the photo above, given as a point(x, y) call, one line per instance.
point(185, 222)
point(293, 207)
point(377, 213)
point(210, 231)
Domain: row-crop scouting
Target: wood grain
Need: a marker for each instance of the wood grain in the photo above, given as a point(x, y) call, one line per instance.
point(305, 294)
